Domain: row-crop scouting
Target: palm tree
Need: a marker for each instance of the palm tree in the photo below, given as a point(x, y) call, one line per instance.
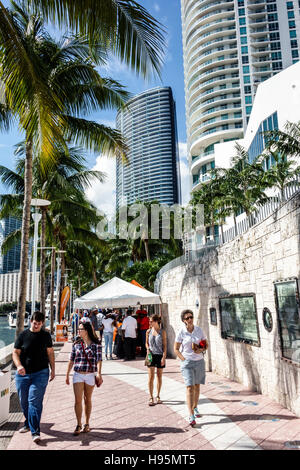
point(125, 27)
point(70, 77)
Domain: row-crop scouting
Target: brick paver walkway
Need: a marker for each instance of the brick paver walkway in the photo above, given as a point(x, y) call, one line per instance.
point(233, 417)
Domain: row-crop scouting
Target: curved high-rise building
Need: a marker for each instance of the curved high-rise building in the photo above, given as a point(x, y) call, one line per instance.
point(229, 47)
point(148, 124)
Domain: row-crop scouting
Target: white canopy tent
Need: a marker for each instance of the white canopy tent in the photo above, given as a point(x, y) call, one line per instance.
point(117, 293)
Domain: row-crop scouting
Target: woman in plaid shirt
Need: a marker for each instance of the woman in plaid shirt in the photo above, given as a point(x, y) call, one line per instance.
point(86, 357)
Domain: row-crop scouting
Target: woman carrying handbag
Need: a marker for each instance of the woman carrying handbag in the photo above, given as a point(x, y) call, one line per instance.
point(156, 346)
point(86, 357)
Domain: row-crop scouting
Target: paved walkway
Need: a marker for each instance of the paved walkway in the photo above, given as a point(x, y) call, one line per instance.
point(234, 418)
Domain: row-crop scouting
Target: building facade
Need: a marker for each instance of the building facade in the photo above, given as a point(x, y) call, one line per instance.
point(152, 172)
point(9, 287)
point(11, 260)
point(230, 47)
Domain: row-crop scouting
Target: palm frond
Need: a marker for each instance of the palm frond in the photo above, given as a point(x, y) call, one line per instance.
point(95, 137)
point(123, 25)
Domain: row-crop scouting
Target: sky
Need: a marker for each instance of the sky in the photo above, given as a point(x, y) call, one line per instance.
point(168, 13)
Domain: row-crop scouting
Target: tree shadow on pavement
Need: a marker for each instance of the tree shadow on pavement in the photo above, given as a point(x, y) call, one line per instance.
point(136, 434)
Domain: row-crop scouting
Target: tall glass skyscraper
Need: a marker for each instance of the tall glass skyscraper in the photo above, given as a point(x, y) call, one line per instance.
point(11, 260)
point(229, 47)
point(148, 124)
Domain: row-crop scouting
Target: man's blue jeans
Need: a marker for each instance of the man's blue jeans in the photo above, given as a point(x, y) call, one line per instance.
point(31, 390)
point(108, 338)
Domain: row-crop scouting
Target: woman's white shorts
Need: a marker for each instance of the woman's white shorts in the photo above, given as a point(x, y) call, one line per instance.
point(88, 379)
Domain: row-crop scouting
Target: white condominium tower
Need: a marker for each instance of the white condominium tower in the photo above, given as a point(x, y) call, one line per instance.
point(229, 47)
point(148, 123)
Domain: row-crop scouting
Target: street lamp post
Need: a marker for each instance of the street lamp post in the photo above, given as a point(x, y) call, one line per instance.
point(37, 203)
point(52, 249)
point(58, 275)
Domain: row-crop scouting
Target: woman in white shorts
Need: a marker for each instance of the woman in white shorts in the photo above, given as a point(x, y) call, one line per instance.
point(86, 357)
point(187, 348)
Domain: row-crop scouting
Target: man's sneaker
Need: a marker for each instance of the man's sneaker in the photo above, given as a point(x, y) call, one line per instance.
point(197, 413)
point(192, 421)
point(36, 438)
point(24, 429)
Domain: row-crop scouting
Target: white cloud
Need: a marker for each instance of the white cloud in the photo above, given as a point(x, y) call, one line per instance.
point(184, 173)
point(156, 7)
point(103, 195)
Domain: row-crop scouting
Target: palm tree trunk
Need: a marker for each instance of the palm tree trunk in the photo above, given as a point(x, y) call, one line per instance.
point(94, 277)
point(146, 243)
point(43, 263)
point(25, 239)
point(52, 291)
point(235, 225)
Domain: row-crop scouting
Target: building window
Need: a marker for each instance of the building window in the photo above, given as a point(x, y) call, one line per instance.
point(242, 21)
point(248, 99)
point(294, 44)
point(242, 12)
point(292, 24)
point(246, 69)
point(248, 109)
point(293, 34)
point(247, 79)
point(276, 55)
point(245, 59)
point(244, 49)
point(287, 303)
point(239, 319)
point(291, 15)
point(273, 17)
point(243, 31)
point(289, 5)
point(244, 40)
point(247, 90)
point(295, 54)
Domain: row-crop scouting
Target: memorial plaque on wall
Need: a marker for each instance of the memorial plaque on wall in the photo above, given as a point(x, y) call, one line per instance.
point(239, 318)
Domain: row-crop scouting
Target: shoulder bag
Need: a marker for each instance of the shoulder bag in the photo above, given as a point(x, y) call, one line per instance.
point(97, 382)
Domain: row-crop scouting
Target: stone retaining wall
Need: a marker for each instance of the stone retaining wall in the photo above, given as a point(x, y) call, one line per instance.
point(250, 263)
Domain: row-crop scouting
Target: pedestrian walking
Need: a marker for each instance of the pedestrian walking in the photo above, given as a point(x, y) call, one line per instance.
point(190, 344)
point(143, 326)
point(74, 322)
point(118, 342)
point(33, 352)
point(156, 347)
point(108, 330)
point(129, 331)
point(86, 357)
point(99, 330)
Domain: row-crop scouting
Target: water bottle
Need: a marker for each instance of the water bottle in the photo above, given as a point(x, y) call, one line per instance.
point(149, 356)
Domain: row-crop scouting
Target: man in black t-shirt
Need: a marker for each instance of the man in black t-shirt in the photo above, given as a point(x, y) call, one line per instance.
point(32, 355)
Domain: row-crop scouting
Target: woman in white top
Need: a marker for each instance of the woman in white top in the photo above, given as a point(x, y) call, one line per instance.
point(108, 331)
point(187, 348)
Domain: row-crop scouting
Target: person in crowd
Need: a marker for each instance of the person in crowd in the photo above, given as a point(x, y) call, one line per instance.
point(156, 346)
point(86, 357)
point(187, 348)
point(118, 341)
point(32, 354)
point(93, 318)
point(99, 331)
point(108, 330)
point(74, 322)
point(143, 326)
point(129, 331)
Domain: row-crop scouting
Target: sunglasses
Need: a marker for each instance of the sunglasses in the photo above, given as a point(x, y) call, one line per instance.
point(189, 317)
